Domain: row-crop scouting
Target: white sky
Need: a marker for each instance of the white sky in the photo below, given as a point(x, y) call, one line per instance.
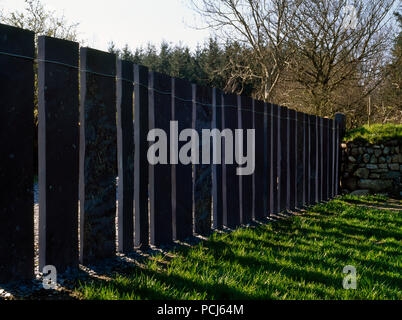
point(135, 22)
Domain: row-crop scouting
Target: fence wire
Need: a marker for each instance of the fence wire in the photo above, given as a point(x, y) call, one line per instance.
point(161, 92)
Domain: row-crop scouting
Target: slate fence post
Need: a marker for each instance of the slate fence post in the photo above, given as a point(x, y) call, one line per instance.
point(58, 142)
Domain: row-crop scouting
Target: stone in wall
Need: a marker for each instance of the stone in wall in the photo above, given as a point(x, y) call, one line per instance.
point(375, 185)
point(362, 173)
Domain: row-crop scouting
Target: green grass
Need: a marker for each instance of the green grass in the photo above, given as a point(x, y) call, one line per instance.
point(297, 258)
point(375, 133)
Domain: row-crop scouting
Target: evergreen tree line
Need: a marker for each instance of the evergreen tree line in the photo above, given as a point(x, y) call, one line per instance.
point(210, 65)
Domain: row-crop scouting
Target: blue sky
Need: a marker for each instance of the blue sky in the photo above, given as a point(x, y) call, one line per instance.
point(135, 22)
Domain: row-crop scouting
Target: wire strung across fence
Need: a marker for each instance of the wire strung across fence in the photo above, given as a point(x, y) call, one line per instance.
point(82, 148)
point(136, 83)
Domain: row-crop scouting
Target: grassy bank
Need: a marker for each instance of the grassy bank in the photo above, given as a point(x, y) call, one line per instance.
point(376, 133)
point(297, 258)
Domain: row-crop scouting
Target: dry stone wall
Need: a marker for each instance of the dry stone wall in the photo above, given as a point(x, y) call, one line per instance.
point(372, 168)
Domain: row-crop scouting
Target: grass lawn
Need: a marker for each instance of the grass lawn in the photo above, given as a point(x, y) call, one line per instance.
point(375, 133)
point(297, 258)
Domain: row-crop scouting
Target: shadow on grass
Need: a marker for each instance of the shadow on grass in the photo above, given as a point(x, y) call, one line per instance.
point(168, 282)
point(395, 206)
point(311, 249)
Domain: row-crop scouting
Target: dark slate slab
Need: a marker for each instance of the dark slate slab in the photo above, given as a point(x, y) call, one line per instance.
point(331, 158)
point(58, 148)
point(314, 143)
point(125, 154)
point(217, 196)
point(318, 154)
point(202, 179)
point(230, 181)
point(300, 159)
point(317, 142)
point(325, 166)
point(160, 178)
point(329, 149)
point(292, 160)
point(276, 157)
point(245, 120)
point(141, 165)
point(182, 177)
point(284, 150)
point(16, 156)
point(337, 153)
point(260, 176)
point(339, 137)
point(307, 166)
point(319, 162)
point(268, 160)
point(313, 158)
point(321, 149)
point(98, 155)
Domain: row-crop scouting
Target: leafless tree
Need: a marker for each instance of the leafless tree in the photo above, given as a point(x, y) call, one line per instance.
point(38, 19)
point(262, 28)
point(338, 48)
point(322, 56)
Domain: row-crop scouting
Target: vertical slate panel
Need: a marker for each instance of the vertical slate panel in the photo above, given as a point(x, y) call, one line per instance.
point(202, 179)
point(307, 166)
point(217, 197)
point(58, 153)
point(317, 159)
point(288, 165)
point(313, 158)
point(334, 148)
point(268, 160)
point(337, 149)
point(335, 165)
point(324, 156)
point(98, 155)
point(160, 178)
point(276, 156)
point(141, 165)
point(245, 105)
point(329, 147)
point(230, 184)
point(325, 159)
point(284, 149)
point(316, 155)
point(321, 145)
point(125, 154)
point(259, 192)
point(331, 158)
point(320, 151)
point(300, 159)
point(319, 162)
point(16, 156)
point(182, 176)
point(340, 134)
point(292, 160)
point(295, 164)
point(329, 173)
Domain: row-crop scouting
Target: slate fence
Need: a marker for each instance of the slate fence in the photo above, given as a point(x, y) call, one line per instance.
point(95, 112)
